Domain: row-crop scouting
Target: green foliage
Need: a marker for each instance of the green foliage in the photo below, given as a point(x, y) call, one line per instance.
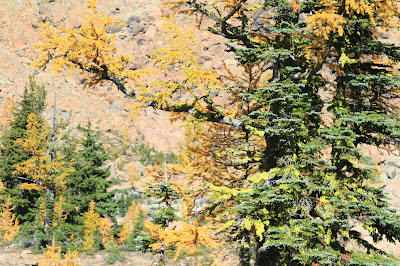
point(162, 195)
point(289, 187)
point(11, 154)
point(90, 179)
point(139, 240)
point(298, 209)
point(150, 156)
point(114, 256)
point(121, 165)
point(297, 203)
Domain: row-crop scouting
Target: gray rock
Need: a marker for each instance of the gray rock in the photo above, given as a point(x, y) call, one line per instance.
point(261, 18)
point(114, 28)
point(204, 59)
point(395, 163)
point(133, 19)
point(43, 10)
point(200, 203)
point(136, 28)
point(390, 171)
point(383, 35)
point(141, 42)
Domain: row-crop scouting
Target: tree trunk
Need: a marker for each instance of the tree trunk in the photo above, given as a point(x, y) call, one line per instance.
point(244, 253)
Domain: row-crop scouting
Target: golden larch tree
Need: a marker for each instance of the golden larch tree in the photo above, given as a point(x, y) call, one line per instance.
point(9, 225)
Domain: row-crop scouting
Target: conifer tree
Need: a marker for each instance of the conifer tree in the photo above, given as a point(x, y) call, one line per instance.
point(6, 113)
point(9, 225)
point(46, 174)
point(89, 182)
point(298, 185)
point(97, 230)
point(11, 154)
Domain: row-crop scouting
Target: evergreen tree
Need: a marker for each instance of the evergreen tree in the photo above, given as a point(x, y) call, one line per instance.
point(90, 180)
point(294, 186)
point(11, 154)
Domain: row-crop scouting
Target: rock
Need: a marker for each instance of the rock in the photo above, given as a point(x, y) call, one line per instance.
point(133, 19)
point(141, 42)
point(151, 32)
point(204, 59)
point(137, 27)
point(30, 262)
point(116, 107)
point(302, 17)
point(71, 22)
point(394, 162)
point(390, 171)
point(98, 257)
point(19, 42)
point(114, 28)
point(383, 35)
point(165, 12)
point(26, 252)
point(43, 10)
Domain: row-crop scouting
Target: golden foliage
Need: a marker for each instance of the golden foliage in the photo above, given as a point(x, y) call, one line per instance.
point(212, 149)
point(128, 225)
point(132, 173)
point(55, 217)
point(52, 256)
point(91, 224)
point(194, 79)
point(321, 26)
point(43, 211)
point(59, 216)
point(89, 48)
point(105, 227)
point(188, 238)
point(6, 112)
point(106, 146)
point(332, 19)
point(46, 173)
point(132, 215)
point(131, 218)
point(123, 234)
point(9, 225)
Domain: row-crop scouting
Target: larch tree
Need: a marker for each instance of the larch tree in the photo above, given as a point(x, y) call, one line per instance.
point(9, 225)
point(45, 174)
point(6, 113)
point(289, 188)
point(11, 154)
point(98, 230)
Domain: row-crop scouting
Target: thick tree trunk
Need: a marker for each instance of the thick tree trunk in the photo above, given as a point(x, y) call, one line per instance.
point(244, 253)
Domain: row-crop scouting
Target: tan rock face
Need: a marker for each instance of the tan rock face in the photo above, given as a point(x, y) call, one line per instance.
point(103, 106)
